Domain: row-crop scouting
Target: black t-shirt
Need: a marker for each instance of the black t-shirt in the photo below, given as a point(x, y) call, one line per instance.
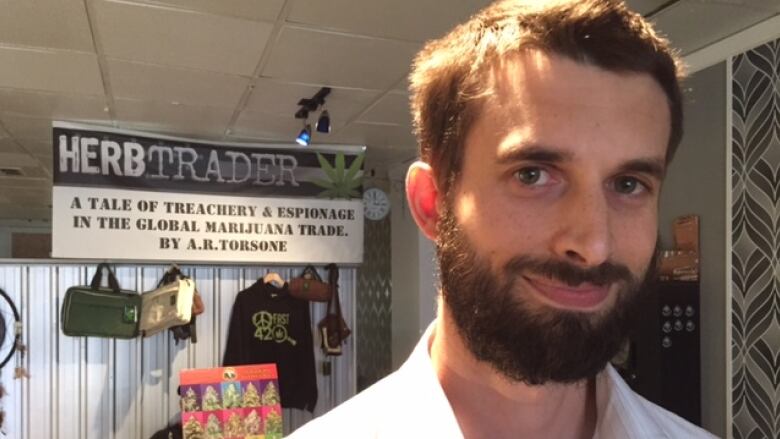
point(268, 325)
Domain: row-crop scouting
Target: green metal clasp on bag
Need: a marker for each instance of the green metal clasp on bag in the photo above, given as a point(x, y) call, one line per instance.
point(130, 315)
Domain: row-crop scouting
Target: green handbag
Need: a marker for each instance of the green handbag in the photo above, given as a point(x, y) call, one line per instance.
point(99, 311)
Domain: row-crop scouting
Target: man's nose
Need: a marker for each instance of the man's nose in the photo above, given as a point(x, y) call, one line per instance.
point(583, 235)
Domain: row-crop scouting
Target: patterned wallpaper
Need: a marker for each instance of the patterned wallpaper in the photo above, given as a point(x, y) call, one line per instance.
point(374, 359)
point(755, 268)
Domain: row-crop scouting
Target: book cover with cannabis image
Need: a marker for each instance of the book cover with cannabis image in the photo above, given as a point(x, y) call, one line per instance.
point(272, 417)
point(270, 396)
point(212, 400)
point(192, 426)
point(233, 424)
point(213, 426)
point(241, 402)
point(250, 394)
point(253, 424)
point(190, 398)
point(231, 395)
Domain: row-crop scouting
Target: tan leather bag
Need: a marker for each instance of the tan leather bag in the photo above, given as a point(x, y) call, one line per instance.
point(309, 286)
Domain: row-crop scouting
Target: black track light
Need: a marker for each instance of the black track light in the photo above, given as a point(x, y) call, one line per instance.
point(304, 137)
point(310, 105)
point(323, 123)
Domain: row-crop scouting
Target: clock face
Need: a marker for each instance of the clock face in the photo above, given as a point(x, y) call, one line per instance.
point(376, 205)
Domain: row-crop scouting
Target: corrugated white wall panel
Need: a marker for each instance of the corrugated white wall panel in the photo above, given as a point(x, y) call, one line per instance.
point(126, 389)
point(11, 282)
point(68, 395)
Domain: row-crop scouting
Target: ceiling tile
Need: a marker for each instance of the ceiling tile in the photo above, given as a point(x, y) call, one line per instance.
point(24, 182)
point(34, 133)
point(37, 147)
point(266, 126)
point(382, 157)
point(281, 98)
point(9, 146)
point(259, 10)
point(24, 127)
point(314, 57)
point(46, 160)
point(48, 165)
point(170, 84)
point(773, 5)
point(50, 70)
point(769, 5)
point(691, 25)
point(17, 159)
point(39, 171)
point(175, 37)
point(410, 20)
point(375, 136)
point(645, 7)
point(44, 156)
point(181, 120)
point(60, 24)
point(393, 108)
point(402, 86)
point(53, 105)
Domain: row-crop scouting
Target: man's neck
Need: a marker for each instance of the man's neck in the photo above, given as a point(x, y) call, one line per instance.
point(487, 404)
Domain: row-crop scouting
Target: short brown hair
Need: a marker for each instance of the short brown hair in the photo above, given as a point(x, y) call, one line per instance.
point(448, 76)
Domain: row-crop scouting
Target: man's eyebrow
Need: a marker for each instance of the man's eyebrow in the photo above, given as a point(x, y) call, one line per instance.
point(533, 153)
point(653, 167)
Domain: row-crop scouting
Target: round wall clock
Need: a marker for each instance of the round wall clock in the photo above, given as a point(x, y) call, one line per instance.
point(376, 204)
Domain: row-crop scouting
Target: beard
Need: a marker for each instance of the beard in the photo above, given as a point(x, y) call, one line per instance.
point(521, 338)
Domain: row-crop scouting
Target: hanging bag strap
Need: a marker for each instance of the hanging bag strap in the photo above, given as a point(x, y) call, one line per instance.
point(333, 281)
point(310, 271)
point(172, 274)
point(98, 277)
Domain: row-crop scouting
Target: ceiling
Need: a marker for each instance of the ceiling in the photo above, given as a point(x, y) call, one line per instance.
point(234, 70)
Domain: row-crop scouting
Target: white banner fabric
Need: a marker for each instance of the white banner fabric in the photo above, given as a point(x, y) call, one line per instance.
point(102, 223)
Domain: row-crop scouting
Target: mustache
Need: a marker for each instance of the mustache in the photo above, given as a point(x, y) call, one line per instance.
point(568, 273)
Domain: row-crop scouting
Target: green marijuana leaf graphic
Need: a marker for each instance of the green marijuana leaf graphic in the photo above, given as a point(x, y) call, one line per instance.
point(341, 182)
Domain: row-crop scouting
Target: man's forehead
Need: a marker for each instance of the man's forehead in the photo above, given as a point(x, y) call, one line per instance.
point(555, 104)
point(525, 86)
point(533, 73)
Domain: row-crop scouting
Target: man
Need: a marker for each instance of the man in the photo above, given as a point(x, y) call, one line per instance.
point(545, 129)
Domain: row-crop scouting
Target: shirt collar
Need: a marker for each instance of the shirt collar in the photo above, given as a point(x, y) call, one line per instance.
point(620, 412)
point(430, 404)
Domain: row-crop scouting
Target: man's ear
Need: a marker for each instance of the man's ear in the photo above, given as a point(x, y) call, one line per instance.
point(422, 195)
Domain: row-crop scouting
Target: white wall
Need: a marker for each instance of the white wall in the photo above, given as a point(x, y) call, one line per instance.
point(413, 274)
point(429, 282)
point(9, 227)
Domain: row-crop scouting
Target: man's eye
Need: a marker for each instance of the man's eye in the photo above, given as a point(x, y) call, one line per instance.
point(532, 176)
point(629, 186)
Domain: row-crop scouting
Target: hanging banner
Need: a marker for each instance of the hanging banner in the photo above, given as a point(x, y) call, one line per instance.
point(128, 195)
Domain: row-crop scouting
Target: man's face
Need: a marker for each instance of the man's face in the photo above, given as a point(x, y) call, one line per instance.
point(546, 237)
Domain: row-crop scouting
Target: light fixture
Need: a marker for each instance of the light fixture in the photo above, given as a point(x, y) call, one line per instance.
point(309, 105)
point(323, 123)
point(304, 137)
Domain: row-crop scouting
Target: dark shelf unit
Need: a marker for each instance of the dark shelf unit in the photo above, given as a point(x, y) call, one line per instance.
point(664, 362)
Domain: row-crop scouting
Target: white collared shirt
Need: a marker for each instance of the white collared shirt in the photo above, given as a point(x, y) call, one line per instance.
point(410, 403)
